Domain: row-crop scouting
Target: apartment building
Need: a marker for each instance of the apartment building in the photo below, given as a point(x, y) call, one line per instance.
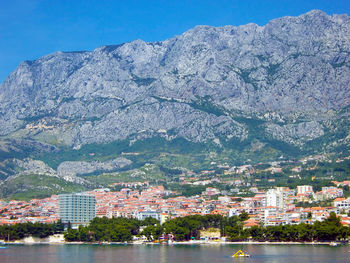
point(77, 208)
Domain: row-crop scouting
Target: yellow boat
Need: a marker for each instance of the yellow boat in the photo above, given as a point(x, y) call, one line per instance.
point(240, 253)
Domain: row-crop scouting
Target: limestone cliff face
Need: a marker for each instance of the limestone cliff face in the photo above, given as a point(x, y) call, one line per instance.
point(292, 73)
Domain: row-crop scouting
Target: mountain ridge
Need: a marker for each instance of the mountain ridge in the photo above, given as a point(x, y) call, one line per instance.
point(236, 89)
point(53, 84)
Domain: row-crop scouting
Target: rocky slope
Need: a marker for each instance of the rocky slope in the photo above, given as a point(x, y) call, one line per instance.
point(36, 176)
point(294, 69)
point(287, 81)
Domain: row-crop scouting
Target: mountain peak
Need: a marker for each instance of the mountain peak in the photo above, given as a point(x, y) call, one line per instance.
point(315, 12)
point(198, 86)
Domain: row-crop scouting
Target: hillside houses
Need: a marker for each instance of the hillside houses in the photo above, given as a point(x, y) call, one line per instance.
point(275, 206)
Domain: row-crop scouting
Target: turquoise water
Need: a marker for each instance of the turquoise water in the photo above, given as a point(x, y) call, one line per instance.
point(172, 254)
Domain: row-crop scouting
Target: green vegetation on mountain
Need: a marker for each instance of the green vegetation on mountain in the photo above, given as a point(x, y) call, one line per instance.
point(229, 101)
point(185, 189)
point(316, 174)
point(28, 186)
point(145, 151)
point(146, 173)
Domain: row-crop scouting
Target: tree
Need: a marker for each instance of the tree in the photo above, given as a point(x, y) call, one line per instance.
point(71, 235)
point(234, 232)
point(180, 233)
point(257, 233)
point(121, 234)
point(157, 232)
point(333, 219)
point(148, 232)
point(309, 215)
point(243, 216)
point(149, 221)
point(58, 227)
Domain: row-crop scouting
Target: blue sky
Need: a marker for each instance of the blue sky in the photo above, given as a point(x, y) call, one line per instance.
point(30, 29)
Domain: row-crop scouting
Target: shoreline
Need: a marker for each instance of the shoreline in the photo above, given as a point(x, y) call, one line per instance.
point(197, 242)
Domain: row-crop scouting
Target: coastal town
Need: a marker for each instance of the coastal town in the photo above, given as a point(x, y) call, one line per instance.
point(271, 206)
point(292, 197)
point(174, 131)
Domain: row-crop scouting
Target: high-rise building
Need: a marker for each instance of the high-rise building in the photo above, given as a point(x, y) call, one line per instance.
point(275, 197)
point(77, 208)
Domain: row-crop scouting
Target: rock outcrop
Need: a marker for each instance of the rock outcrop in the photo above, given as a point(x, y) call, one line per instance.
point(296, 69)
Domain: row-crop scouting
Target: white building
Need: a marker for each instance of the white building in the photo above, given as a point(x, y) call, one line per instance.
point(329, 192)
point(275, 197)
point(304, 189)
point(142, 215)
point(342, 203)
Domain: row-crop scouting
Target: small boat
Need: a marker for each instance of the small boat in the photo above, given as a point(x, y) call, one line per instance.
point(240, 253)
point(333, 244)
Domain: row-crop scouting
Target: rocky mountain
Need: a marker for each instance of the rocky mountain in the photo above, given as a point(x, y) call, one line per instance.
point(291, 69)
point(283, 83)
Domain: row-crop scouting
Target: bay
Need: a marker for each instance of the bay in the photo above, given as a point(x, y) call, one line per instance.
point(172, 254)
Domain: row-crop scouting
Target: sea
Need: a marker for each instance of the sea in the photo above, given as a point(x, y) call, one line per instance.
point(79, 253)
